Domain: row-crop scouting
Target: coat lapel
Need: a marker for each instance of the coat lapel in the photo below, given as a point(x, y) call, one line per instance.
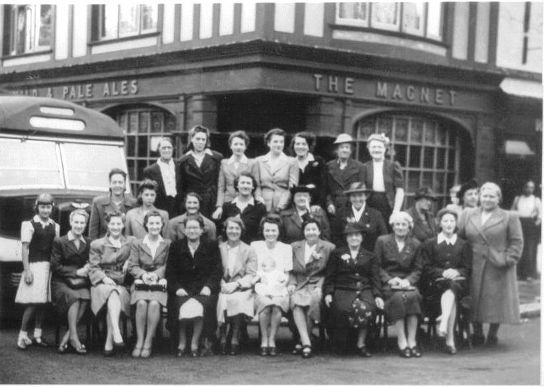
point(335, 173)
point(299, 249)
point(495, 218)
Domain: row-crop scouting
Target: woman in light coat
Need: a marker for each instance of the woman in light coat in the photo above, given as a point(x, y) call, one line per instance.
point(236, 298)
point(134, 223)
point(497, 242)
point(277, 173)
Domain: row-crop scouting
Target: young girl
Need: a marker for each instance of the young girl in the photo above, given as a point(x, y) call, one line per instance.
point(37, 237)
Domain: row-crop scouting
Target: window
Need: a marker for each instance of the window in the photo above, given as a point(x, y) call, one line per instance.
point(428, 151)
point(143, 127)
point(28, 28)
point(114, 21)
point(420, 19)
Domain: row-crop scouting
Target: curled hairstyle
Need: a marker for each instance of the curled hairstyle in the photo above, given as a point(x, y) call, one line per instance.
point(493, 187)
point(249, 176)
point(274, 132)
point(271, 219)
point(309, 137)
point(446, 211)
point(241, 135)
point(198, 218)
point(311, 220)
point(117, 171)
point(81, 212)
point(146, 184)
point(151, 214)
point(237, 220)
point(402, 216)
point(199, 129)
point(114, 214)
point(194, 195)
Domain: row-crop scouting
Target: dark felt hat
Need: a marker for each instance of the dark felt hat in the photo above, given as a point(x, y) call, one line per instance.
point(424, 192)
point(353, 227)
point(303, 188)
point(357, 187)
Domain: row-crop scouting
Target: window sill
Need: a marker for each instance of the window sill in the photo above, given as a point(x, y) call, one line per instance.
point(397, 34)
point(27, 54)
point(124, 39)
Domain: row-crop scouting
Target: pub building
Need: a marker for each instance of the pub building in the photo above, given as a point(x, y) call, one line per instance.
point(456, 86)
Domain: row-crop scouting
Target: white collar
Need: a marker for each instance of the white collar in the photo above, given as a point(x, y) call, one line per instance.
point(148, 242)
point(442, 238)
point(115, 242)
point(250, 201)
point(358, 212)
point(309, 157)
point(232, 160)
point(268, 157)
point(72, 237)
point(37, 219)
point(170, 162)
point(207, 151)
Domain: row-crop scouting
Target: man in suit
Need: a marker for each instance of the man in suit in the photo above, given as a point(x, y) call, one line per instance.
point(164, 172)
point(424, 222)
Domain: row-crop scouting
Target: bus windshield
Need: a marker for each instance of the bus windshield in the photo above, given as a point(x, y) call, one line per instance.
point(51, 165)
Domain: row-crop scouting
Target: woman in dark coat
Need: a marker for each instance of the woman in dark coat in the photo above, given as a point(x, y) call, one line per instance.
point(244, 204)
point(199, 170)
point(400, 270)
point(193, 273)
point(69, 265)
point(447, 261)
point(312, 168)
point(352, 290)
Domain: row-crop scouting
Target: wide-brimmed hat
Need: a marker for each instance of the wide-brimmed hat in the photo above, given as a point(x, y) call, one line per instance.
point(379, 137)
point(353, 227)
point(303, 188)
point(343, 138)
point(357, 187)
point(471, 184)
point(424, 192)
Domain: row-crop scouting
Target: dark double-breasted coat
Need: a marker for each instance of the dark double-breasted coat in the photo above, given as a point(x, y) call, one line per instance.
point(100, 207)
point(338, 180)
point(183, 271)
point(251, 215)
point(315, 173)
point(292, 224)
point(202, 180)
point(371, 222)
point(167, 203)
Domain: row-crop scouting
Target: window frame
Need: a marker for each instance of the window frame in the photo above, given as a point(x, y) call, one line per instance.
point(31, 37)
point(99, 11)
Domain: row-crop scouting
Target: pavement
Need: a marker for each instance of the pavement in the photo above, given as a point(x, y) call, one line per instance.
point(529, 298)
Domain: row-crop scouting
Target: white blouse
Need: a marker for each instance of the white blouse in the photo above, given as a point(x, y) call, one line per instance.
point(282, 254)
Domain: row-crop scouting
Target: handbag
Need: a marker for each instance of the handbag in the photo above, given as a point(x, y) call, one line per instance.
point(77, 282)
point(359, 314)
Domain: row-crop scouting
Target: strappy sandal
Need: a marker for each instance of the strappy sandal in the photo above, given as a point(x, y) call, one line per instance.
point(80, 349)
point(62, 349)
point(297, 350)
point(306, 351)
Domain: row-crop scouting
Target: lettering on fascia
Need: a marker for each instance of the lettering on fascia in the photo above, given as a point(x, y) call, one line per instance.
point(124, 87)
point(416, 94)
point(334, 83)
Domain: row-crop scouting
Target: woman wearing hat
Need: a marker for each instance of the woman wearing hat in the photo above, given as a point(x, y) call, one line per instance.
point(277, 172)
point(400, 270)
point(497, 242)
point(293, 218)
point(447, 261)
point(37, 237)
point(352, 290)
point(311, 167)
point(368, 218)
point(341, 172)
point(384, 177)
point(193, 272)
point(421, 212)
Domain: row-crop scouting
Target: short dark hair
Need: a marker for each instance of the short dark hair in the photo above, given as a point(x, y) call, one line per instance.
point(310, 220)
point(149, 215)
point(146, 184)
point(117, 171)
point(193, 194)
point(272, 219)
point(239, 134)
point(199, 129)
point(114, 214)
point(248, 175)
point(445, 211)
point(198, 218)
point(308, 136)
point(276, 131)
point(234, 219)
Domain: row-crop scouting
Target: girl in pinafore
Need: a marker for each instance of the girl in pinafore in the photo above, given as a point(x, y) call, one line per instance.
point(37, 237)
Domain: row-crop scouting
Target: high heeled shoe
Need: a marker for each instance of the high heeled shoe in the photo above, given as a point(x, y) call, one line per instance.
point(306, 351)
point(146, 352)
point(137, 351)
point(234, 349)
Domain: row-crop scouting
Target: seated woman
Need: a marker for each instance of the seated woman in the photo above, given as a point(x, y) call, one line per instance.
point(400, 271)
point(244, 204)
point(292, 218)
point(236, 299)
point(147, 193)
point(352, 290)
point(447, 261)
point(108, 262)
point(147, 264)
point(193, 272)
point(310, 257)
point(70, 281)
point(270, 309)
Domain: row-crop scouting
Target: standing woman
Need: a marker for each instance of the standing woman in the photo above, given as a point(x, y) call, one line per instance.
point(384, 177)
point(496, 239)
point(116, 200)
point(341, 172)
point(147, 194)
point(70, 281)
point(164, 171)
point(231, 168)
point(199, 169)
point(193, 272)
point(401, 266)
point(469, 194)
point(147, 263)
point(269, 309)
point(352, 290)
point(236, 300)
point(37, 237)
point(312, 169)
point(277, 172)
point(310, 257)
point(447, 261)
point(108, 262)
point(244, 205)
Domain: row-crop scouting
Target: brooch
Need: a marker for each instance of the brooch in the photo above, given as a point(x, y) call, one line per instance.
point(346, 257)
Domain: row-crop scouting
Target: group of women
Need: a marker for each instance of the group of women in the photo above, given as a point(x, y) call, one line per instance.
point(278, 253)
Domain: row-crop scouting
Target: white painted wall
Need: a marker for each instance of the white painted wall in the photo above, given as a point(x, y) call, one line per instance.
point(80, 28)
point(206, 20)
point(168, 21)
point(187, 14)
point(460, 31)
point(249, 15)
point(314, 17)
point(284, 17)
point(481, 46)
point(62, 35)
point(226, 19)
